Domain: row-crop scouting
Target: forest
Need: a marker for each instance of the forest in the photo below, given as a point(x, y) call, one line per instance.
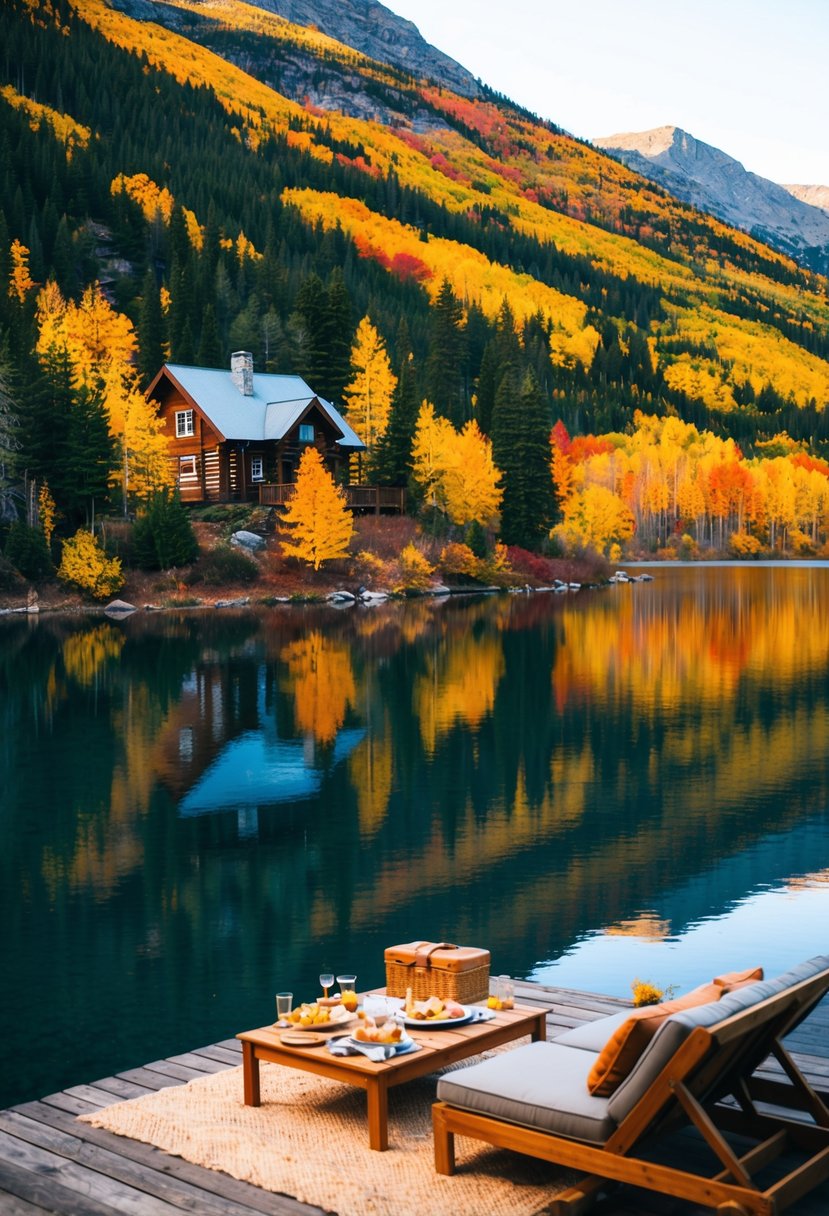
point(619, 369)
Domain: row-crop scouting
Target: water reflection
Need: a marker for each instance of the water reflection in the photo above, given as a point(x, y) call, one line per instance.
point(197, 810)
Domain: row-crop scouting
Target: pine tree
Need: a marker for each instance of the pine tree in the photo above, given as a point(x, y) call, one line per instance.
point(446, 359)
point(150, 330)
point(393, 462)
point(521, 450)
point(163, 537)
point(318, 523)
point(210, 347)
point(88, 457)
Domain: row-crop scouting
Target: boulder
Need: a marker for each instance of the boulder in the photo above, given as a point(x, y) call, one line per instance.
point(119, 608)
point(341, 597)
point(248, 540)
point(241, 602)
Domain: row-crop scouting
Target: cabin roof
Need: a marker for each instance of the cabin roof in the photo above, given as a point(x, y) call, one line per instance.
point(275, 406)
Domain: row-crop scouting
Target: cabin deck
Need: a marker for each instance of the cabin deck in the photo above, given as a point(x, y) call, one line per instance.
point(49, 1163)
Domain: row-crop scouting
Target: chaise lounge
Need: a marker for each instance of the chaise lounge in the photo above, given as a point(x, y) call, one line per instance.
point(536, 1099)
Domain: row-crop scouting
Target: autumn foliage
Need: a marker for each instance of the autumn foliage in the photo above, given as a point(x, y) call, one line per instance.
point(317, 523)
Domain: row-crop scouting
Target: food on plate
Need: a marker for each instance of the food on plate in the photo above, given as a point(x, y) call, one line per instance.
point(317, 1014)
point(433, 1009)
point(389, 1032)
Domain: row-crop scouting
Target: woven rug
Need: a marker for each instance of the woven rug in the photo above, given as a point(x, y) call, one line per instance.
point(309, 1139)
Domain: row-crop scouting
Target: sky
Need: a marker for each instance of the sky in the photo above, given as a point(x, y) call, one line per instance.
point(748, 76)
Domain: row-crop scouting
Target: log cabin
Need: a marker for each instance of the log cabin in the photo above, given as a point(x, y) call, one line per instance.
point(233, 434)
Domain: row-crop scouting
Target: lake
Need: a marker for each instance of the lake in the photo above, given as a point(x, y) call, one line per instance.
point(198, 810)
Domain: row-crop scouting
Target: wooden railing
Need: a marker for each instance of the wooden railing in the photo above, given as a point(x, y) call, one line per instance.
point(358, 498)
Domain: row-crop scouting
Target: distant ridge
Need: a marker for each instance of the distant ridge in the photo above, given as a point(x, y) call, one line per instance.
point(370, 27)
point(710, 179)
point(816, 196)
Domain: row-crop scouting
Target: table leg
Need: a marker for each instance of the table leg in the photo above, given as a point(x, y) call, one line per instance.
point(540, 1028)
point(377, 1095)
point(250, 1074)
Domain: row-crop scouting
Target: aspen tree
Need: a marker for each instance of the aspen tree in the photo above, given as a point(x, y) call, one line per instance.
point(317, 520)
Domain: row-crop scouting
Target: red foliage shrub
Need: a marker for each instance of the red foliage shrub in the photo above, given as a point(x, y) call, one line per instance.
point(531, 565)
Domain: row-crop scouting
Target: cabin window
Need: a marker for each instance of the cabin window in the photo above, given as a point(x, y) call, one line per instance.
point(184, 424)
point(257, 468)
point(306, 432)
point(187, 468)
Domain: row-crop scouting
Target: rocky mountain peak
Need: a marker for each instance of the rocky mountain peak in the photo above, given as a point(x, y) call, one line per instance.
point(715, 182)
point(370, 27)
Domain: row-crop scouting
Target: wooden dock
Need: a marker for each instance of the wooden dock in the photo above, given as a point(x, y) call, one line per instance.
point(50, 1163)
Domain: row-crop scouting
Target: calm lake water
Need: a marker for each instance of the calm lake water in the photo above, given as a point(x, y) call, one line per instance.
point(199, 810)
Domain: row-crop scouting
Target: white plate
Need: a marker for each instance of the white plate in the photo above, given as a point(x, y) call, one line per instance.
point(404, 1044)
point(439, 1023)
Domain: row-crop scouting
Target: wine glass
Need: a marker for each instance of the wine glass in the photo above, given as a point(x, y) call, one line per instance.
point(326, 980)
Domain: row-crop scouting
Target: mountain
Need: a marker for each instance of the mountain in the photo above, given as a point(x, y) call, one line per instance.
point(715, 182)
point(235, 180)
point(375, 30)
point(816, 196)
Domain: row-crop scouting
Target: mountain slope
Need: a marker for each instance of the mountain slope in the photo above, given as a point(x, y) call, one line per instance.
point(370, 27)
point(243, 160)
point(715, 182)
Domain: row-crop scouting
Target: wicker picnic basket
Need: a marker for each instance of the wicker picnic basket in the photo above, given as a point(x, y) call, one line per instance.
point(437, 969)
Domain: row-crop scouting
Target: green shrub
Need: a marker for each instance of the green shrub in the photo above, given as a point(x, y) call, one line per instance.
point(223, 565)
point(163, 537)
point(28, 552)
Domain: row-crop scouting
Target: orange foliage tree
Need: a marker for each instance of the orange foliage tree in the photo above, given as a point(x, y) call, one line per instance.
point(317, 521)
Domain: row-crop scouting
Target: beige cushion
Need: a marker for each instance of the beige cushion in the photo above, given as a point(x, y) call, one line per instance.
point(540, 1085)
point(624, 1047)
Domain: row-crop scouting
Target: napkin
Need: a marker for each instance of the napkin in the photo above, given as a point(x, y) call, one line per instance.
point(376, 1052)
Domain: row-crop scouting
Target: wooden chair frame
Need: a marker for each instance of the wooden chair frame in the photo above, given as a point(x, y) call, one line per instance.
point(711, 1065)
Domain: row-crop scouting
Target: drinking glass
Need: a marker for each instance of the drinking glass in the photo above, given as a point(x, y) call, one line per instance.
point(326, 980)
point(348, 994)
point(284, 1003)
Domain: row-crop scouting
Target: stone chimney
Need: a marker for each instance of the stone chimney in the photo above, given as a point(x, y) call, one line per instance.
point(241, 371)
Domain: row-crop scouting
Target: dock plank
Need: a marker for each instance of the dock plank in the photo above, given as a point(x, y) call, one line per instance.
point(52, 1164)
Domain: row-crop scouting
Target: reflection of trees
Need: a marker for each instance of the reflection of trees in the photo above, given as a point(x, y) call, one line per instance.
point(84, 654)
point(370, 770)
point(458, 685)
point(321, 678)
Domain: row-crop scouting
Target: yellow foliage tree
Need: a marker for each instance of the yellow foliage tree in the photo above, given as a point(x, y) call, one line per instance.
point(369, 395)
point(101, 346)
point(85, 565)
point(455, 469)
point(20, 281)
point(317, 516)
point(597, 517)
point(431, 449)
point(471, 481)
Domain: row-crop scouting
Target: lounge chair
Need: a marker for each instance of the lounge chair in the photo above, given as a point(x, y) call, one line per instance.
point(535, 1100)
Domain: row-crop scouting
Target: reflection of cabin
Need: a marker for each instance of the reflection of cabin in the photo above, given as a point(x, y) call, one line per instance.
point(238, 435)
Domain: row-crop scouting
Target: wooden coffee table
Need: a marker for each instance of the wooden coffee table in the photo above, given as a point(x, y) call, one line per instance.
point(438, 1048)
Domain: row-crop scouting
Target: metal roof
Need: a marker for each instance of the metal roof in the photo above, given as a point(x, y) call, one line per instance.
point(276, 405)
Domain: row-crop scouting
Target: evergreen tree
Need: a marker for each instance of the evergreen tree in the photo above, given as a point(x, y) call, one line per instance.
point(163, 536)
point(150, 330)
point(521, 450)
point(446, 360)
point(393, 464)
point(339, 333)
point(88, 458)
point(210, 347)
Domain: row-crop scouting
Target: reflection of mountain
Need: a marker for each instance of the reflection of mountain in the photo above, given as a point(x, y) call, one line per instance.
point(257, 771)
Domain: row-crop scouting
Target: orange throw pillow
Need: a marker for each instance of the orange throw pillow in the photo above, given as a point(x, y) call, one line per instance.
point(624, 1047)
point(732, 980)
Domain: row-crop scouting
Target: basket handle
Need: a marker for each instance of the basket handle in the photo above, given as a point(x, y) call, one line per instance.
point(423, 956)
